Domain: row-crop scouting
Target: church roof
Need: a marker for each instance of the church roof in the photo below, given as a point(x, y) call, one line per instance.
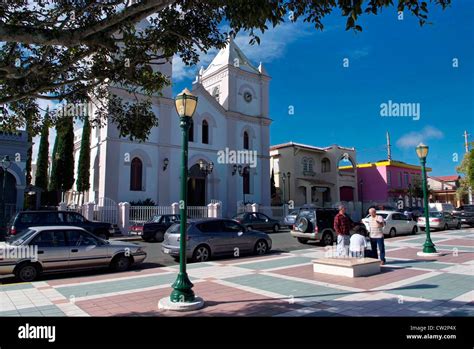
point(231, 54)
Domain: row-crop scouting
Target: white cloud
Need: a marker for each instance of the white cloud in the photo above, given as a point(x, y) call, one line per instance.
point(412, 139)
point(273, 45)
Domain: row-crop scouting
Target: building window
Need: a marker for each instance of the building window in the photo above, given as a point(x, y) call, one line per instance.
point(305, 165)
point(325, 165)
point(407, 178)
point(389, 178)
point(400, 179)
point(246, 140)
point(191, 131)
point(246, 181)
point(205, 132)
point(136, 172)
point(310, 165)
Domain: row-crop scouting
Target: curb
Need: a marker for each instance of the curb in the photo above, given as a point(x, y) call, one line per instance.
point(126, 238)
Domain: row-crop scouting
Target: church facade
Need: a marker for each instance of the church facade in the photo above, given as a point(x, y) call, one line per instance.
point(232, 115)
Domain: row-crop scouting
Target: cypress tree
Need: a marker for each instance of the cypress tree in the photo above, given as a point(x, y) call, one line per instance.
point(54, 180)
point(83, 168)
point(41, 178)
point(66, 152)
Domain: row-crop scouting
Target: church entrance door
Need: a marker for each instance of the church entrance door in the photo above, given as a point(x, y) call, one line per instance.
point(196, 187)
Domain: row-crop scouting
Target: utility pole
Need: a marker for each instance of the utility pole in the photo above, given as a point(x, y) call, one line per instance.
point(466, 147)
point(389, 147)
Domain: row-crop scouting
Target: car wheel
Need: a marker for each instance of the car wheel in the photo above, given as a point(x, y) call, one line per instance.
point(303, 241)
point(159, 236)
point(121, 263)
point(261, 247)
point(276, 227)
point(201, 254)
point(27, 272)
point(458, 226)
point(414, 230)
point(446, 226)
point(392, 233)
point(327, 239)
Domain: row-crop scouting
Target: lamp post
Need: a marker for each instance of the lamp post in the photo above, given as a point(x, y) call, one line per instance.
point(288, 174)
point(5, 165)
point(428, 247)
point(182, 297)
point(283, 178)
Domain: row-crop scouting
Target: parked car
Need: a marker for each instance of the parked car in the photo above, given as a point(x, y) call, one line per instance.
point(316, 224)
point(26, 219)
point(396, 223)
point(64, 248)
point(257, 221)
point(155, 228)
point(465, 214)
point(208, 238)
point(290, 219)
point(440, 221)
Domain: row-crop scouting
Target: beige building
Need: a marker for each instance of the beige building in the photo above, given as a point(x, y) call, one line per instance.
point(306, 174)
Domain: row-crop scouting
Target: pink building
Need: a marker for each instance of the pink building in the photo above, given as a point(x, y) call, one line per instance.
point(387, 181)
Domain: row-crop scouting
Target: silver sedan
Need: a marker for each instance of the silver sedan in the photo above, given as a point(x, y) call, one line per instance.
point(63, 248)
point(207, 238)
point(440, 221)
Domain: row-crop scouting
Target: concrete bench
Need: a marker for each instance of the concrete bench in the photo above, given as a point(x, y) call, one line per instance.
point(350, 267)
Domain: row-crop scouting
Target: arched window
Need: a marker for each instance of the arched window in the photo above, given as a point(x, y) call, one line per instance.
point(136, 171)
point(310, 165)
point(191, 131)
point(325, 165)
point(246, 140)
point(246, 180)
point(205, 132)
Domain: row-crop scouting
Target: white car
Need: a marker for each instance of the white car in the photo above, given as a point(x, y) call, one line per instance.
point(396, 223)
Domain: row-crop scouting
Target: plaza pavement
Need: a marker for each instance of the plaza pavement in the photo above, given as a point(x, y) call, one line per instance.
point(273, 285)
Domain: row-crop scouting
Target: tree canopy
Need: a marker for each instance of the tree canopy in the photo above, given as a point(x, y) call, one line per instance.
point(72, 50)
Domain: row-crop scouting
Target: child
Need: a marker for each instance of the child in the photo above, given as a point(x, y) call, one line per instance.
point(358, 243)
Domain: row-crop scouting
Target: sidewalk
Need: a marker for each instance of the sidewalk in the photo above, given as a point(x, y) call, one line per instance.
point(273, 285)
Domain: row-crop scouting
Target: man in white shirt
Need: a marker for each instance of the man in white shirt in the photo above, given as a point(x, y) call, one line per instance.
point(376, 224)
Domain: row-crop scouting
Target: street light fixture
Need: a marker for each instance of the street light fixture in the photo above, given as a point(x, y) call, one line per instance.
point(428, 247)
point(283, 178)
point(205, 167)
point(182, 297)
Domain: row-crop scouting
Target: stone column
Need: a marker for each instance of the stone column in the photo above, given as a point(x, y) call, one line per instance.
point(175, 208)
point(254, 208)
point(124, 217)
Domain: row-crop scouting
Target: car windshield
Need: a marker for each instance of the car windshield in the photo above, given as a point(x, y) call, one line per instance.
point(174, 229)
point(436, 214)
point(239, 216)
point(294, 213)
point(154, 219)
point(20, 238)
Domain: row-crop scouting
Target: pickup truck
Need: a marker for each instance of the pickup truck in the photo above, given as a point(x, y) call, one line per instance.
point(465, 214)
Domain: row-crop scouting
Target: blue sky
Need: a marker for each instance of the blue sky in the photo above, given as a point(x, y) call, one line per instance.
point(391, 59)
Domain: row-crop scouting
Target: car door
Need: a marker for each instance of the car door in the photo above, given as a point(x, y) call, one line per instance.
point(214, 235)
point(407, 223)
point(85, 250)
point(76, 220)
point(266, 221)
point(240, 239)
point(448, 219)
point(53, 252)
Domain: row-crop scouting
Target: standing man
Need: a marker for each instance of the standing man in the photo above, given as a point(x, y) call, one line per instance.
point(376, 224)
point(342, 226)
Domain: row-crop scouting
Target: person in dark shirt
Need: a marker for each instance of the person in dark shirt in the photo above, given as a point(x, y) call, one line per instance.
point(342, 226)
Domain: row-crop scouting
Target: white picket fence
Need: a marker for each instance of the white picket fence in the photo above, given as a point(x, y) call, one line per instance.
point(198, 212)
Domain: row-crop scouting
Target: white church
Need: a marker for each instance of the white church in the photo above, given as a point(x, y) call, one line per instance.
point(232, 113)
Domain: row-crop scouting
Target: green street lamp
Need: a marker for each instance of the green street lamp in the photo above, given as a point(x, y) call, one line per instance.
point(428, 246)
point(182, 297)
